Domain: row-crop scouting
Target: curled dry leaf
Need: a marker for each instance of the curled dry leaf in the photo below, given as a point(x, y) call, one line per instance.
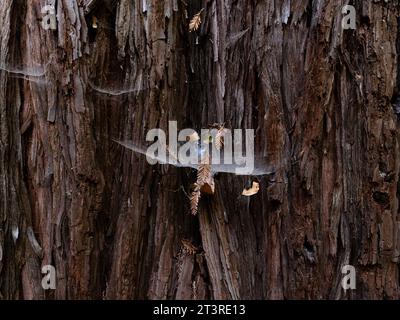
point(252, 191)
point(195, 22)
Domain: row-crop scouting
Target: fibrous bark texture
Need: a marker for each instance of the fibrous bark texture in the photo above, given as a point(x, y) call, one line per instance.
point(323, 102)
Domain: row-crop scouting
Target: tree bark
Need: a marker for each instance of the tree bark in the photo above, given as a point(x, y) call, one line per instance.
point(322, 101)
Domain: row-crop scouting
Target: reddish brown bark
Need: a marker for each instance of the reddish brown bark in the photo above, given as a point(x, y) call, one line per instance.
point(320, 99)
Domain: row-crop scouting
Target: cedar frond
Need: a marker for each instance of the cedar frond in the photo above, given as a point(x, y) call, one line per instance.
point(194, 290)
point(188, 247)
point(205, 178)
point(195, 199)
point(219, 138)
point(204, 173)
point(205, 182)
point(195, 22)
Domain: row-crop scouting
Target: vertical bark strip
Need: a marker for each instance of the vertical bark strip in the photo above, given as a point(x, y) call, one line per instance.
point(322, 101)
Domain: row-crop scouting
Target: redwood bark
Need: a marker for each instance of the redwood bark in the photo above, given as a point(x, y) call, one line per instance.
point(321, 99)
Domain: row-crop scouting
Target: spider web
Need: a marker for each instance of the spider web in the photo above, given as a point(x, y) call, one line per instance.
point(260, 166)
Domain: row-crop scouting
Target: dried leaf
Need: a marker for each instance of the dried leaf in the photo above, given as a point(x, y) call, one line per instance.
point(195, 22)
point(94, 22)
point(193, 137)
point(252, 191)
